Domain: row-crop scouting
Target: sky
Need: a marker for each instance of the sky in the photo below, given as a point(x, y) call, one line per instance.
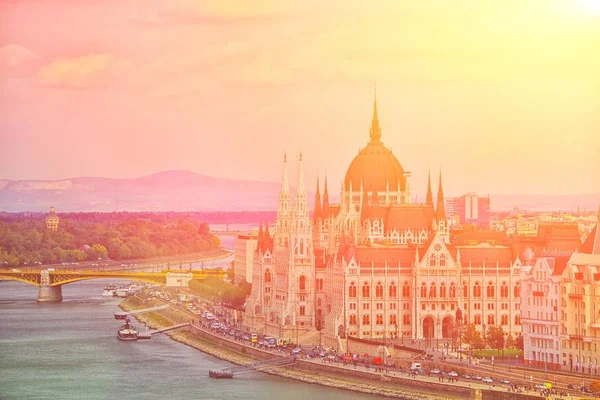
point(502, 96)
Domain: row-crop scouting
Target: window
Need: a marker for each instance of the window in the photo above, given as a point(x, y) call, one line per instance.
point(365, 290)
point(432, 260)
point(379, 319)
point(353, 306)
point(366, 320)
point(267, 276)
point(319, 302)
point(302, 282)
point(490, 290)
point(393, 290)
point(442, 260)
point(365, 306)
point(406, 319)
point(352, 290)
point(477, 290)
point(352, 319)
point(302, 310)
point(504, 320)
point(517, 291)
point(465, 291)
point(490, 319)
point(443, 290)
point(379, 290)
point(452, 290)
point(393, 320)
point(504, 290)
point(405, 290)
point(432, 291)
point(319, 283)
point(423, 290)
point(477, 319)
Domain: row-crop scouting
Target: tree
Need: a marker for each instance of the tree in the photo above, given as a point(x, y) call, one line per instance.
point(510, 341)
point(204, 229)
point(595, 386)
point(519, 342)
point(495, 337)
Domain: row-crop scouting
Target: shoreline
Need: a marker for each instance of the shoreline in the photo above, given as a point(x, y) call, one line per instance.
point(157, 320)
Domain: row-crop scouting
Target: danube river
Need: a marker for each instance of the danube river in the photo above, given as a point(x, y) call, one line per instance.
point(70, 351)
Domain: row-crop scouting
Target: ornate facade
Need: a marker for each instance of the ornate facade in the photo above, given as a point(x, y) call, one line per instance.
point(376, 265)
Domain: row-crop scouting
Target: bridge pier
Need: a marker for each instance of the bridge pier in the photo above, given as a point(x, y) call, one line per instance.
point(50, 294)
point(47, 293)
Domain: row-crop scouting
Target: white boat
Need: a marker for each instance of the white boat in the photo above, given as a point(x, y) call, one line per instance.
point(127, 332)
point(109, 291)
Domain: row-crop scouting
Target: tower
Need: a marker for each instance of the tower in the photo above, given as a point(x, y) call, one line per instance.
point(284, 210)
point(429, 197)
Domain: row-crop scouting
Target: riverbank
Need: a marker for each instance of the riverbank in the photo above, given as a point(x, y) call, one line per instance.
point(315, 375)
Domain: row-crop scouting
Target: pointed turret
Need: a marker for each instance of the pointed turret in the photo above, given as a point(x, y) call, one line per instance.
point(284, 209)
point(440, 212)
point(317, 210)
point(266, 238)
point(429, 198)
point(301, 205)
point(375, 132)
point(259, 243)
point(325, 209)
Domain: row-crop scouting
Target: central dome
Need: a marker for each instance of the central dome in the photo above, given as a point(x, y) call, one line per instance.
point(375, 166)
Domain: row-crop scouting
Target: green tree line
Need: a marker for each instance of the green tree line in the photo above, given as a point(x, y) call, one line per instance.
point(26, 241)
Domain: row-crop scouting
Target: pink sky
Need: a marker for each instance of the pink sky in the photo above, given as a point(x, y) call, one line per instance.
point(504, 96)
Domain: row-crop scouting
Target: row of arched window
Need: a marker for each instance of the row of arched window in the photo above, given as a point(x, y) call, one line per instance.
point(366, 319)
point(432, 291)
point(491, 319)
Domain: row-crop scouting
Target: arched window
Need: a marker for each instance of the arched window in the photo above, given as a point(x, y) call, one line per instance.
point(365, 290)
point(319, 284)
point(406, 319)
point(393, 320)
point(379, 290)
point(452, 290)
point(423, 290)
point(432, 260)
point(491, 292)
point(443, 290)
point(517, 291)
point(319, 302)
point(267, 276)
point(352, 319)
point(477, 319)
point(301, 246)
point(442, 260)
point(432, 290)
point(504, 290)
point(393, 291)
point(366, 320)
point(352, 290)
point(504, 320)
point(465, 291)
point(379, 319)
point(490, 320)
point(302, 282)
point(405, 290)
point(477, 290)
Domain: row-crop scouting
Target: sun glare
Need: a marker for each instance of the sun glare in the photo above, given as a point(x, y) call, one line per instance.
point(590, 6)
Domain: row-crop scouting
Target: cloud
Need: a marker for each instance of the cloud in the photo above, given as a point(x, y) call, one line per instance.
point(17, 61)
point(84, 71)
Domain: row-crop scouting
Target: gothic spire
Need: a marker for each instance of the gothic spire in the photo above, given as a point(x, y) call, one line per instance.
point(325, 208)
point(375, 133)
point(440, 211)
point(285, 186)
point(429, 198)
point(317, 210)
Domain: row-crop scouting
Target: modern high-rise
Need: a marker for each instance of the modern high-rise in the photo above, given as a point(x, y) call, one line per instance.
point(471, 209)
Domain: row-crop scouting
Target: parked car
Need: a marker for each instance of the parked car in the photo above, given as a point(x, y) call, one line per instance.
point(487, 379)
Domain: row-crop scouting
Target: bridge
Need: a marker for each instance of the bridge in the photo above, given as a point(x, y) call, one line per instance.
point(51, 281)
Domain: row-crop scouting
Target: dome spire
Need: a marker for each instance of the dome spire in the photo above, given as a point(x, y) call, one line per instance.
point(375, 132)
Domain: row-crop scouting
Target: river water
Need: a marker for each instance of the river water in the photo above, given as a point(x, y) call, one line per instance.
point(70, 351)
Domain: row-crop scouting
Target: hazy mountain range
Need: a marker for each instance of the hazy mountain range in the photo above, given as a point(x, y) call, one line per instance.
point(188, 191)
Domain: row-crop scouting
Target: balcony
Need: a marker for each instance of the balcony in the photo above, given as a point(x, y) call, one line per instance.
point(576, 337)
point(575, 296)
point(538, 294)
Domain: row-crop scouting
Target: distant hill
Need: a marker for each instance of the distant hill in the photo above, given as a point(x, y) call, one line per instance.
point(163, 191)
point(188, 191)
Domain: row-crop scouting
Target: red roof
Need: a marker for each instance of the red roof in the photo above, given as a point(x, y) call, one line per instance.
point(592, 243)
point(477, 255)
point(378, 256)
point(466, 238)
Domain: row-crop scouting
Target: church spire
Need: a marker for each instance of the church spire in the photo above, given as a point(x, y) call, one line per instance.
point(325, 208)
point(440, 212)
point(375, 133)
point(429, 198)
point(317, 210)
point(285, 186)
